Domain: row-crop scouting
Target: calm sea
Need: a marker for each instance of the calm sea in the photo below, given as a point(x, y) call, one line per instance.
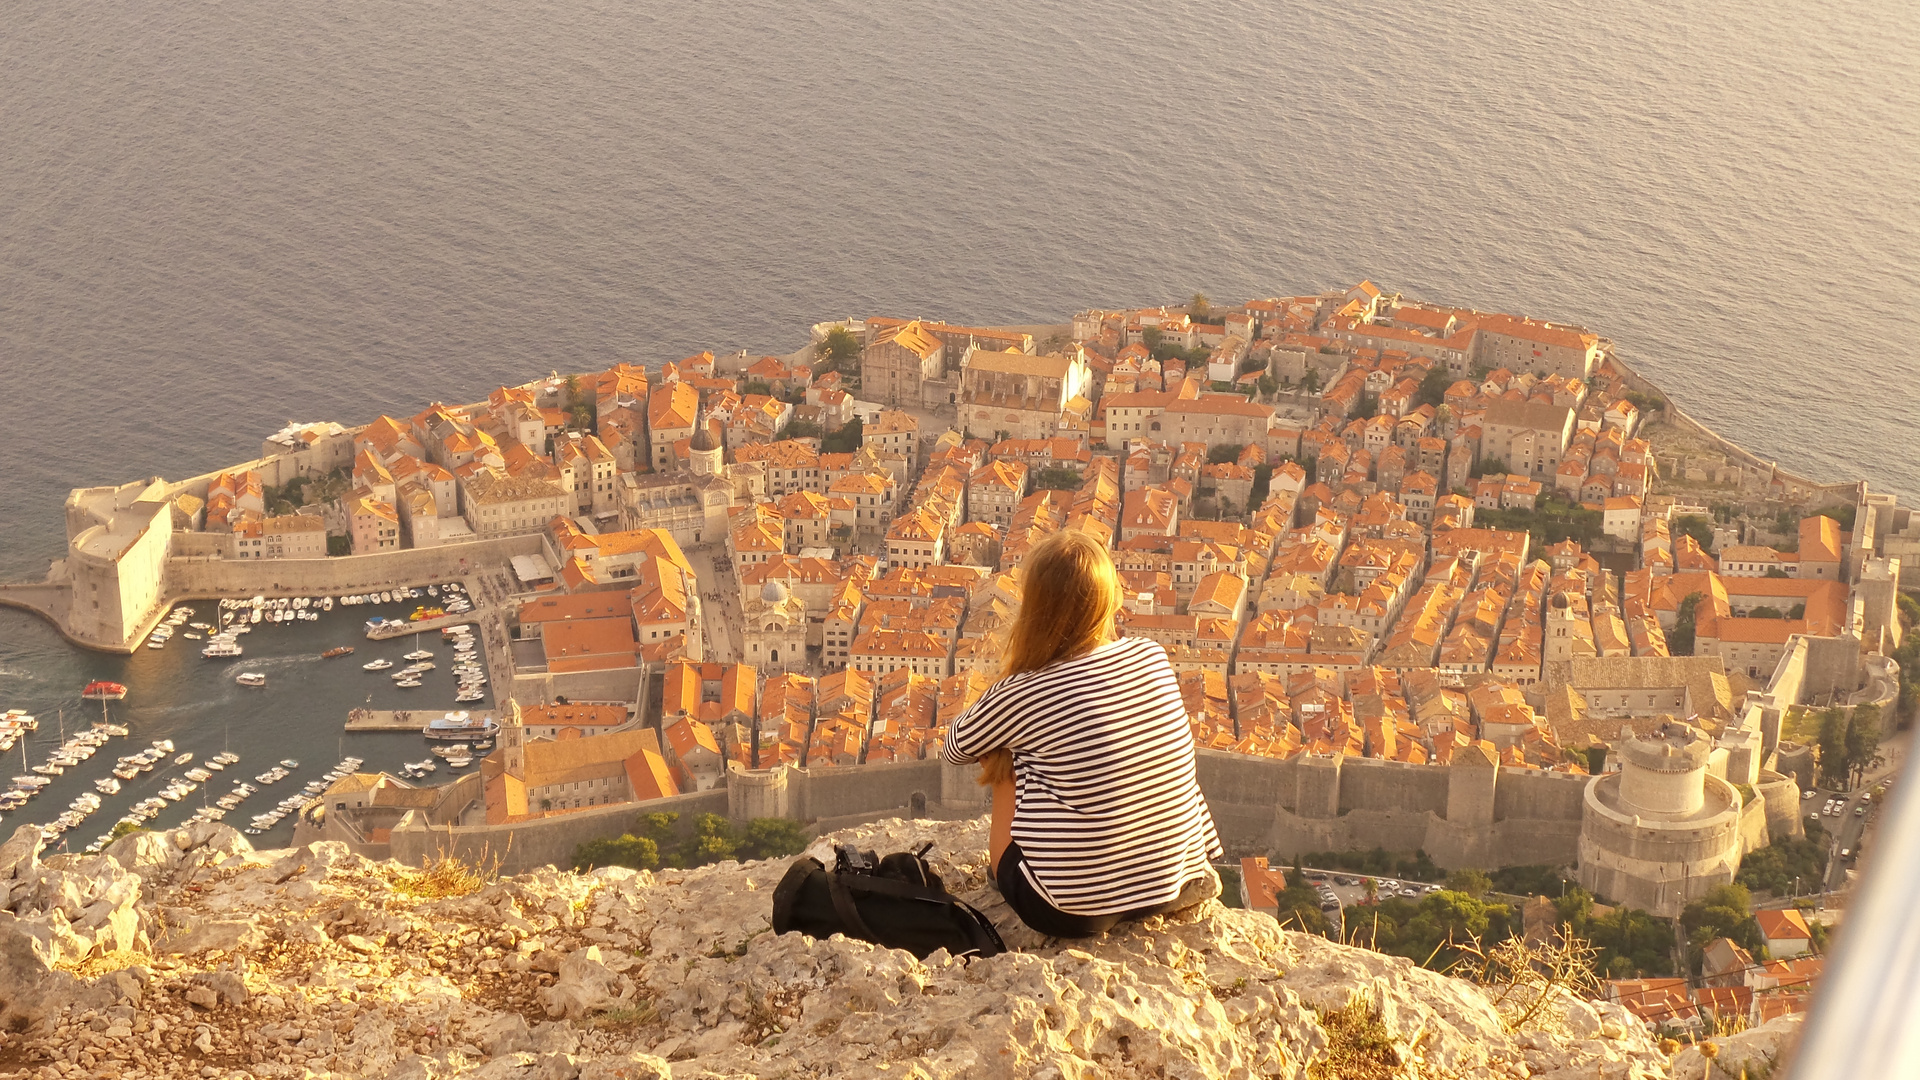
point(215, 217)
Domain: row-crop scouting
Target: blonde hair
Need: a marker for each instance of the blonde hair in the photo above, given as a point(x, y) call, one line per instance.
point(1069, 594)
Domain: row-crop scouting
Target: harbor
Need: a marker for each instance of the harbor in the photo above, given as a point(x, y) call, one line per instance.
point(246, 733)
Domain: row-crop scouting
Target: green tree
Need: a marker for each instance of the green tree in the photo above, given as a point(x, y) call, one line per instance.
point(1470, 882)
point(1433, 388)
point(1298, 907)
point(1863, 742)
point(846, 440)
point(1680, 638)
point(1831, 744)
point(1056, 479)
point(839, 346)
point(1369, 407)
point(1697, 526)
point(624, 850)
point(800, 429)
point(757, 386)
point(1262, 484)
point(1267, 386)
point(1220, 455)
point(772, 838)
point(1765, 612)
point(712, 841)
point(1779, 866)
point(1199, 308)
point(1310, 382)
point(1725, 911)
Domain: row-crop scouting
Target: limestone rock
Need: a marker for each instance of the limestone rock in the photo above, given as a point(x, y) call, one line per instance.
point(229, 986)
point(634, 1066)
point(226, 935)
point(505, 1034)
point(20, 855)
point(1760, 1051)
point(317, 961)
point(143, 852)
point(585, 985)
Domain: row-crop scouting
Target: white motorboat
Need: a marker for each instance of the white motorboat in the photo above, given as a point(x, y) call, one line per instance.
point(250, 678)
point(107, 785)
point(419, 654)
point(381, 664)
point(183, 758)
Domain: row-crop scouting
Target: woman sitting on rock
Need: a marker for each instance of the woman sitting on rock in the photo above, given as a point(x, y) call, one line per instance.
point(1097, 815)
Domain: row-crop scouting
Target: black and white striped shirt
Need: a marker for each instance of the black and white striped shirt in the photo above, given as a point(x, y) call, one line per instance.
point(1108, 812)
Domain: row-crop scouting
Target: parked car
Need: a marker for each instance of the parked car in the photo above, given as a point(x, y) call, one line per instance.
point(1809, 793)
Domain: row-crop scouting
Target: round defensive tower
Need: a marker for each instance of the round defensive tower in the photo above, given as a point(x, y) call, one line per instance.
point(1663, 830)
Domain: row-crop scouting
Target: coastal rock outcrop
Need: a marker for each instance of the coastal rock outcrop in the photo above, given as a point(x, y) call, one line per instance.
point(318, 962)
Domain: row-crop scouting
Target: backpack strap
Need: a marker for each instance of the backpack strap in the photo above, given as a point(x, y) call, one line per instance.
point(850, 918)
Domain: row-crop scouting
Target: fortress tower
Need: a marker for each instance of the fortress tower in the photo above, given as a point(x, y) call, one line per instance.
point(1662, 830)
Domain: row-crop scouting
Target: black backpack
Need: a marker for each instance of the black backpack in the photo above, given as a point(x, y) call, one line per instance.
point(898, 902)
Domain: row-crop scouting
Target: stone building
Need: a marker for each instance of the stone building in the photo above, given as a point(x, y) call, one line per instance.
point(497, 505)
point(896, 361)
point(773, 628)
point(1529, 436)
point(1663, 830)
point(1019, 394)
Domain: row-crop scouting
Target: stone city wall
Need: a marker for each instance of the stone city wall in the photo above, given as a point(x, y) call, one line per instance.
point(818, 794)
point(205, 577)
point(1531, 795)
point(1367, 784)
point(521, 847)
point(1391, 805)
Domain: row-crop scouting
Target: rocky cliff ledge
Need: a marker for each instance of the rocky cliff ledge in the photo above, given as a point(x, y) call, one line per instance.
point(190, 954)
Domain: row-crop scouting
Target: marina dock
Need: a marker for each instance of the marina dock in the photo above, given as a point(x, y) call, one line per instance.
point(396, 629)
point(394, 720)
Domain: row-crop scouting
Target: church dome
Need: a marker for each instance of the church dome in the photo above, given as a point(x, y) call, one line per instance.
point(703, 440)
point(774, 591)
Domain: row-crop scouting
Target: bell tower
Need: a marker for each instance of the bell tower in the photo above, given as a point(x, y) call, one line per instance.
point(513, 742)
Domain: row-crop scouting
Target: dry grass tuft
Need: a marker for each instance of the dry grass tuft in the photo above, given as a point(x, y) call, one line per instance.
point(448, 877)
point(1358, 1046)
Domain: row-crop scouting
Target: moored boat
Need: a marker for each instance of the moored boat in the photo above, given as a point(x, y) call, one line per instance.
point(103, 690)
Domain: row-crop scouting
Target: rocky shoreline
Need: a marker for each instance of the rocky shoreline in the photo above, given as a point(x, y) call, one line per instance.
point(189, 954)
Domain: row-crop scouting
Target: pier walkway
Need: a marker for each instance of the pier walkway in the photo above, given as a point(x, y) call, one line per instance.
point(395, 720)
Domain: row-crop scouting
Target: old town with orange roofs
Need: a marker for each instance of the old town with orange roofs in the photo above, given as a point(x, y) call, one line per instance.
point(1359, 525)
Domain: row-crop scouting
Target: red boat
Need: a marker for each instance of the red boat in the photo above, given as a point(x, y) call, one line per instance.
point(102, 690)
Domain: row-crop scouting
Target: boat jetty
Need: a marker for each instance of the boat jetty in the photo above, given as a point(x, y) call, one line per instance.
point(413, 720)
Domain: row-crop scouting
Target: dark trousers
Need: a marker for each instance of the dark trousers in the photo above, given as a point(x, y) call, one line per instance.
point(1043, 917)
